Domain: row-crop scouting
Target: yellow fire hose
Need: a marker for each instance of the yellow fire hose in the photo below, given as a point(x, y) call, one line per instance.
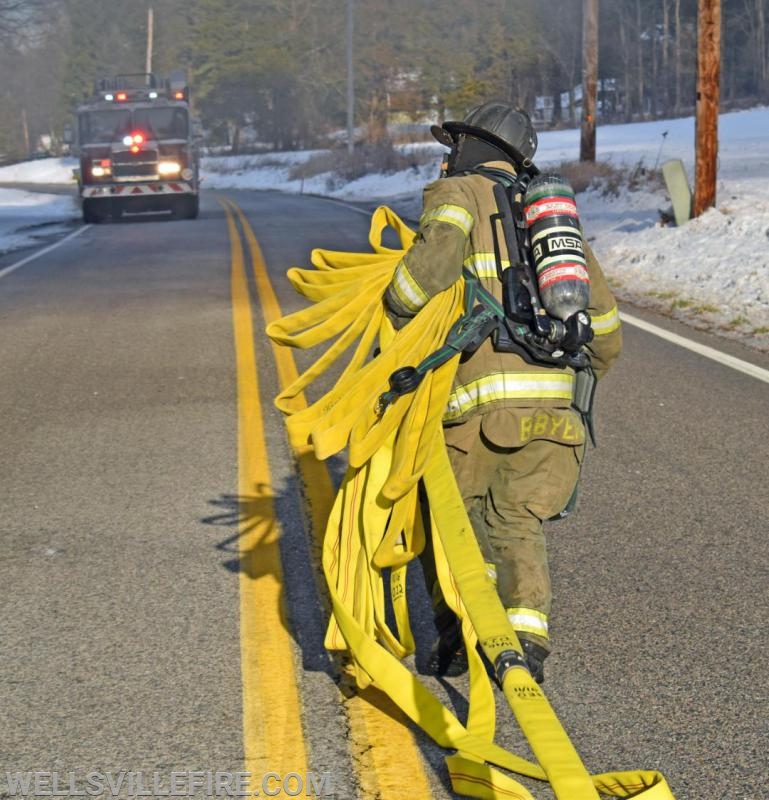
point(375, 525)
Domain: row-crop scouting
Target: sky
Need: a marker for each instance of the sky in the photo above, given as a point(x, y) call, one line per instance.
point(712, 272)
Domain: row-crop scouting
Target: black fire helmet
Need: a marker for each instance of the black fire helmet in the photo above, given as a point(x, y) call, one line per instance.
point(500, 124)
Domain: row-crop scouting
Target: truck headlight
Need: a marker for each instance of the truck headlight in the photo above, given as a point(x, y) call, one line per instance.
point(101, 168)
point(169, 168)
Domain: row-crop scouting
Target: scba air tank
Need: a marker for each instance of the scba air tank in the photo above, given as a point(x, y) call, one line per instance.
point(556, 244)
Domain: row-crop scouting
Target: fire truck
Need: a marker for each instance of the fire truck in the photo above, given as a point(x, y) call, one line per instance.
point(137, 148)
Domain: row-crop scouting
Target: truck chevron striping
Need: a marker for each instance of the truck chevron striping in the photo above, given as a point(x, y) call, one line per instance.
point(375, 525)
point(149, 188)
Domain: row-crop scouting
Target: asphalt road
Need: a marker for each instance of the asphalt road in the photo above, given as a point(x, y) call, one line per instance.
point(121, 624)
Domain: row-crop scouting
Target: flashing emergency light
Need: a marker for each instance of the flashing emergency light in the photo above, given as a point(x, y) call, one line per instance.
point(134, 141)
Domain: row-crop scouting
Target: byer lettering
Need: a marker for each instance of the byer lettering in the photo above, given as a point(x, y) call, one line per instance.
point(548, 426)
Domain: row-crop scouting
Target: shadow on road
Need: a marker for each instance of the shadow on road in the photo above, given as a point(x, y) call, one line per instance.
point(258, 546)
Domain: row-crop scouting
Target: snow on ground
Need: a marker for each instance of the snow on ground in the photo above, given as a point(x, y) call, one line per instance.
point(712, 272)
point(28, 218)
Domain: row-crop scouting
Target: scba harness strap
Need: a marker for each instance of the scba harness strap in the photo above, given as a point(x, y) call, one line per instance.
point(549, 339)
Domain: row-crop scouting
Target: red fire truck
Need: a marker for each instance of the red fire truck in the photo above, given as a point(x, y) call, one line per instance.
point(137, 148)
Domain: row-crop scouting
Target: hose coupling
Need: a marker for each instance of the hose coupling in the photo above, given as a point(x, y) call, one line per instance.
point(506, 661)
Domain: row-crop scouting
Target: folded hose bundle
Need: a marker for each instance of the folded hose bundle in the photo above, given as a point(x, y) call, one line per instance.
point(376, 524)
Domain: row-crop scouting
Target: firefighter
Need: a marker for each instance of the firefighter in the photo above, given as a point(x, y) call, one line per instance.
point(515, 442)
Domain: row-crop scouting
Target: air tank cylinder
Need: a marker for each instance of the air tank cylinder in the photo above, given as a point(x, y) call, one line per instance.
point(557, 247)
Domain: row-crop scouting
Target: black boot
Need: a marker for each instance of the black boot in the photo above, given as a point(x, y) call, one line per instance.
point(535, 656)
point(448, 655)
point(447, 659)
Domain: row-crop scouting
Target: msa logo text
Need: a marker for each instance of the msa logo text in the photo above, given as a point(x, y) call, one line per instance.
point(565, 243)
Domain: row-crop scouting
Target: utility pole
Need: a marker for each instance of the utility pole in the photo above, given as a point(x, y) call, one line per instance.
point(150, 26)
point(25, 132)
point(708, 95)
point(589, 79)
point(350, 84)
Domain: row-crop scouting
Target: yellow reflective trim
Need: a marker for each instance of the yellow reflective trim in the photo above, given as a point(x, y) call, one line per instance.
point(453, 215)
point(484, 265)
point(407, 290)
point(508, 386)
point(528, 620)
point(605, 323)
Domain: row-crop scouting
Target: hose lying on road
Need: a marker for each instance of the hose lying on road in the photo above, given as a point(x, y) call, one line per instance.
point(376, 525)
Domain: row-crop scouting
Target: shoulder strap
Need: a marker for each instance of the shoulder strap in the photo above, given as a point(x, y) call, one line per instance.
point(483, 315)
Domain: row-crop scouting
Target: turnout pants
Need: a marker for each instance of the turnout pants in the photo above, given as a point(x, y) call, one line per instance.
point(508, 492)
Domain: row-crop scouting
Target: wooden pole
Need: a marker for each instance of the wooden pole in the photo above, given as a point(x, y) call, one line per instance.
point(589, 79)
point(708, 96)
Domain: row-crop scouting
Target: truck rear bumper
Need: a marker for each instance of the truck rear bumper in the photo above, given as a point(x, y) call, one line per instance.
point(153, 189)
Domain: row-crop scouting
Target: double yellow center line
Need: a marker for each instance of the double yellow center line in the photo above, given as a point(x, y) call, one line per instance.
point(272, 729)
point(383, 752)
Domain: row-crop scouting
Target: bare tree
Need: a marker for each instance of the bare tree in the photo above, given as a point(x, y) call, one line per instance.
point(653, 35)
point(559, 39)
point(666, 57)
point(625, 56)
point(640, 58)
point(761, 63)
point(678, 50)
point(23, 21)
